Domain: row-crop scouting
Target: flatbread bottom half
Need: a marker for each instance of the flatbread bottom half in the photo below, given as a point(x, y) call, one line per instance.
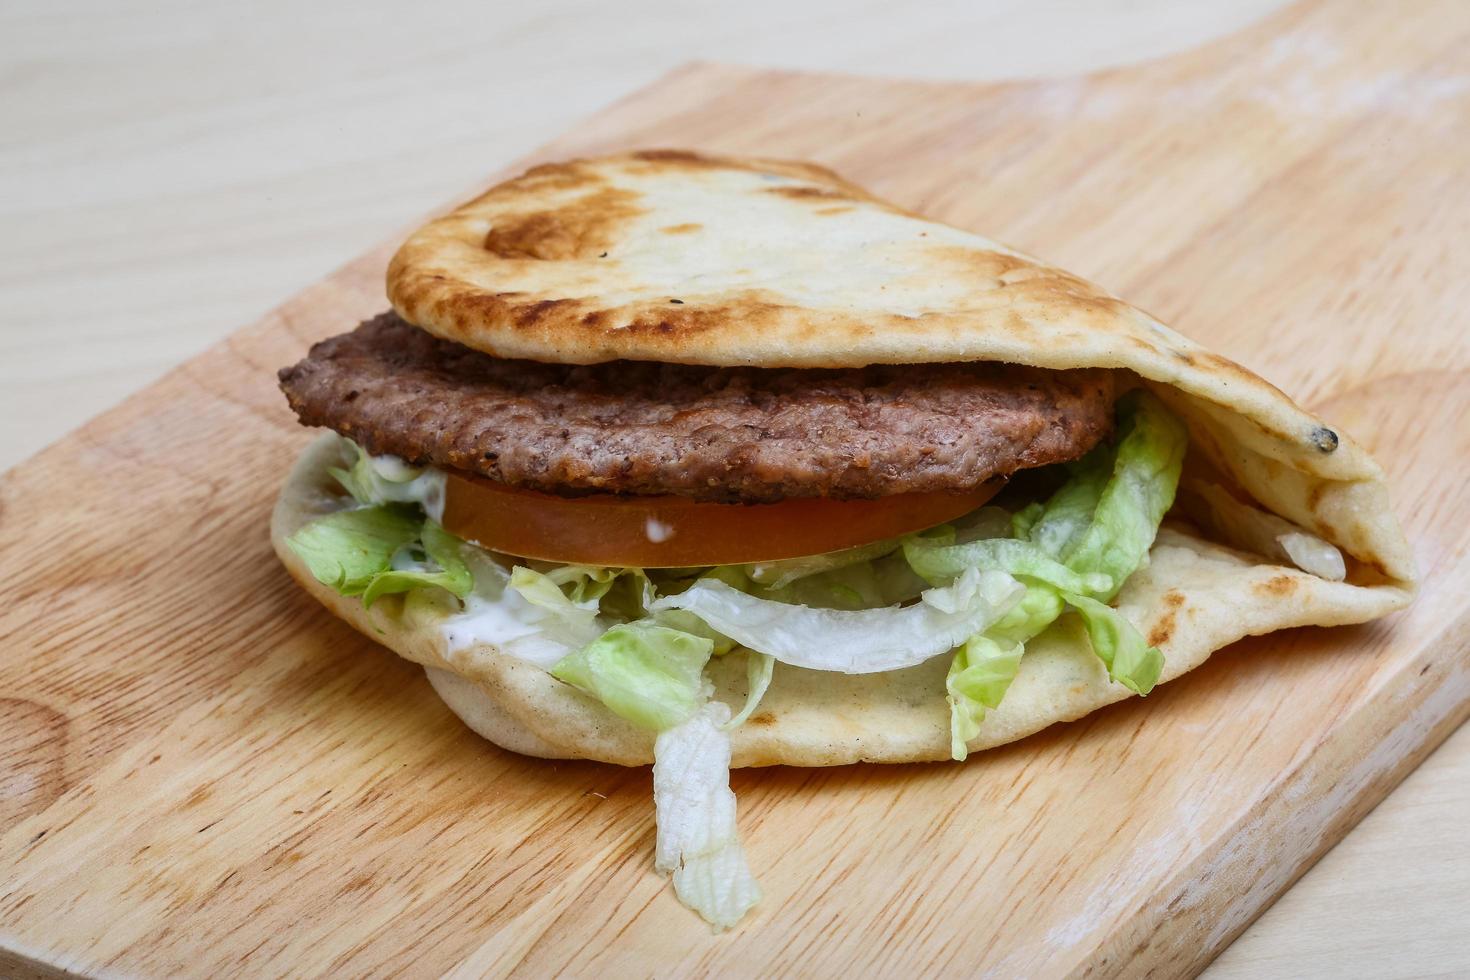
point(1192, 598)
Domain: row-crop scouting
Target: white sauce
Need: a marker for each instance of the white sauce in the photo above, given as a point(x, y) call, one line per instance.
point(393, 468)
point(509, 623)
point(499, 616)
point(398, 482)
point(426, 490)
point(657, 531)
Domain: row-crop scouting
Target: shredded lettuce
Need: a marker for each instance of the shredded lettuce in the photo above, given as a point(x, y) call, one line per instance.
point(974, 683)
point(1074, 551)
point(758, 670)
point(1054, 526)
point(689, 623)
point(631, 594)
point(348, 549)
point(585, 581)
point(978, 678)
point(387, 479)
point(439, 566)
point(1122, 649)
point(373, 551)
point(883, 581)
point(649, 674)
point(622, 593)
point(852, 641)
point(541, 590)
point(1145, 475)
point(987, 522)
point(385, 545)
point(698, 841)
point(1038, 609)
point(938, 562)
point(779, 574)
point(1024, 520)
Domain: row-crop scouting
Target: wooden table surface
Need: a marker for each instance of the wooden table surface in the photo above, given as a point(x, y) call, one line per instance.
point(169, 172)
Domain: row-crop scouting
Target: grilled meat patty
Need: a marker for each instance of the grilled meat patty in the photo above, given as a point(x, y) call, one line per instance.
point(727, 434)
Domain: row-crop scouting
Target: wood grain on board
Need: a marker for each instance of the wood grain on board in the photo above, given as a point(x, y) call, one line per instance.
point(207, 775)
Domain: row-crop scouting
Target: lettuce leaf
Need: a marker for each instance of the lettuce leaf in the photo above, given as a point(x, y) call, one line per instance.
point(883, 581)
point(1025, 519)
point(496, 614)
point(1057, 524)
point(1144, 478)
point(354, 552)
point(1038, 609)
point(441, 567)
point(852, 641)
point(989, 521)
point(586, 581)
point(631, 594)
point(385, 545)
point(698, 841)
point(1118, 644)
point(779, 574)
point(758, 670)
point(348, 549)
point(541, 590)
point(938, 562)
point(978, 678)
point(649, 674)
point(689, 623)
point(1074, 551)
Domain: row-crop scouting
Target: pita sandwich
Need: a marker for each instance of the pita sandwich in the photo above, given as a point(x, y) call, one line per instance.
point(709, 462)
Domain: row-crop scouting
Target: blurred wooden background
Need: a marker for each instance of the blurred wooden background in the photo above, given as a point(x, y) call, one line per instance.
point(169, 171)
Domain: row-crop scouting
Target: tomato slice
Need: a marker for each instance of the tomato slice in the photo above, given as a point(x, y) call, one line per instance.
point(676, 532)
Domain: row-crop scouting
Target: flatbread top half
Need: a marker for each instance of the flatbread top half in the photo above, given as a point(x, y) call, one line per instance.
point(668, 255)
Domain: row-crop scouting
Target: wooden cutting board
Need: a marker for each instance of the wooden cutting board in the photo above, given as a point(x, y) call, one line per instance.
point(201, 773)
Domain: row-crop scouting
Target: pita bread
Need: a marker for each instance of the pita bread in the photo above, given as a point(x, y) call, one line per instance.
point(672, 256)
